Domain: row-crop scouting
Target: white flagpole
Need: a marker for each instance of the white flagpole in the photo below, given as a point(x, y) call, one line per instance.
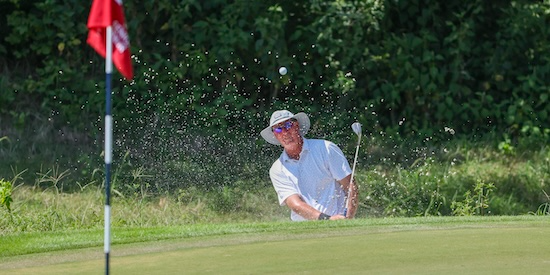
point(108, 145)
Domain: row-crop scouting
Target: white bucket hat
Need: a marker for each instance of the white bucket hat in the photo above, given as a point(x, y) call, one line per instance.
point(280, 116)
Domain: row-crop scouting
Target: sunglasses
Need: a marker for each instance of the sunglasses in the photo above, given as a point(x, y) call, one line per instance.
point(287, 125)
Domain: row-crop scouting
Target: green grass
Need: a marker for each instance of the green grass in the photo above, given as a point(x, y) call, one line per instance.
point(37, 242)
point(424, 245)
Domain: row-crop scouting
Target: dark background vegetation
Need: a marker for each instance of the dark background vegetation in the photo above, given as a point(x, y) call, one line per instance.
point(414, 73)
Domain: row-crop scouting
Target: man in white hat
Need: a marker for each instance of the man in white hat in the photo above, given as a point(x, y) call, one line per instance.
point(312, 176)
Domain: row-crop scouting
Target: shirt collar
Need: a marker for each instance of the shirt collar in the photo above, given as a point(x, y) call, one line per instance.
point(305, 148)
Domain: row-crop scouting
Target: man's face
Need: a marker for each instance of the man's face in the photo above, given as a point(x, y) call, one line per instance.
point(287, 132)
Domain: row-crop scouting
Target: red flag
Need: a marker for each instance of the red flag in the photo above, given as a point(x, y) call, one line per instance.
point(106, 13)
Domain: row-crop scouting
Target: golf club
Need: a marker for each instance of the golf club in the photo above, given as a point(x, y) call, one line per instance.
point(356, 127)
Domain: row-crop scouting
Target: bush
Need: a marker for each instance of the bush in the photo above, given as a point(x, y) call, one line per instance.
point(400, 66)
point(5, 194)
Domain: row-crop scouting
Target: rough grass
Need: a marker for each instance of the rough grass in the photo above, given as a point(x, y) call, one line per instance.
point(429, 184)
point(37, 210)
point(58, 182)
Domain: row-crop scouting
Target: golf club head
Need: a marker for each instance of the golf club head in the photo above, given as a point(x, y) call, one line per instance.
point(356, 127)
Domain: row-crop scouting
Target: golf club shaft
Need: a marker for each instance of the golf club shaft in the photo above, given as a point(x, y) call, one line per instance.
point(352, 174)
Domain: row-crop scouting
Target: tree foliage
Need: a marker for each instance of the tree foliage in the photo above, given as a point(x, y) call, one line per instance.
point(413, 67)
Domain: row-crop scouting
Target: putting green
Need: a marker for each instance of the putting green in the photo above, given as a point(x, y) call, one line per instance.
point(504, 249)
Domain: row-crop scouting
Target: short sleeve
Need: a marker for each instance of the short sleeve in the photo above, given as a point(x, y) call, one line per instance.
point(337, 162)
point(282, 182)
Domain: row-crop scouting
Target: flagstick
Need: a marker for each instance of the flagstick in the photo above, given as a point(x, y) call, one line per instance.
point(108, 145)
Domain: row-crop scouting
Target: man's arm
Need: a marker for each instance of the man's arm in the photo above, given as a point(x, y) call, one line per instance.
point(352, 202)
point(298, 205)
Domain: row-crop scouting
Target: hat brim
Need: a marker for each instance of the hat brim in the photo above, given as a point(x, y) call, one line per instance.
point(303, 121)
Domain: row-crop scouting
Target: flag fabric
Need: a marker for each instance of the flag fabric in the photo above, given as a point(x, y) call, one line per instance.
point(106, 13)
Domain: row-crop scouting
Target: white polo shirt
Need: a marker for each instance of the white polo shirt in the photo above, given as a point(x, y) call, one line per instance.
point(314, 177)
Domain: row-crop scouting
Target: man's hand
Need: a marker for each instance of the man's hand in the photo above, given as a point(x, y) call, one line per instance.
point(337, 217)
point(352, 196)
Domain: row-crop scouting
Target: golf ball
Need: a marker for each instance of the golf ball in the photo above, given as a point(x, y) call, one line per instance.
point(283, 70)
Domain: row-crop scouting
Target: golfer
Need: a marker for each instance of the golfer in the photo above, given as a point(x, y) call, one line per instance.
point(312, 176)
